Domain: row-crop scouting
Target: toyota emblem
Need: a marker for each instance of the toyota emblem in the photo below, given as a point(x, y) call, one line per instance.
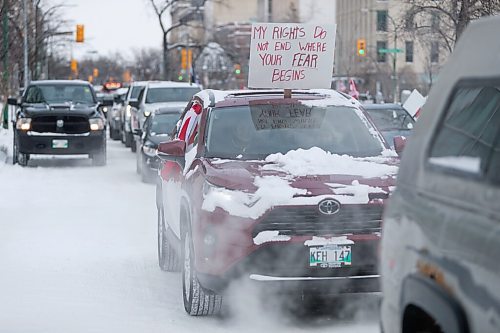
point(60, 123)
point(329, 206)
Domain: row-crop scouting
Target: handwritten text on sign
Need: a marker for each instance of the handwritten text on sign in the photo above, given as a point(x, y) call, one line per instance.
point(291, 56)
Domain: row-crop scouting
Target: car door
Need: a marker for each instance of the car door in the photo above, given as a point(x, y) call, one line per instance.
point(171, 179)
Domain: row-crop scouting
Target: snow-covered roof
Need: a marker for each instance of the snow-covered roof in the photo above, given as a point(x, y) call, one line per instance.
point(327, 97)
point(76, 82)
point(172, 84)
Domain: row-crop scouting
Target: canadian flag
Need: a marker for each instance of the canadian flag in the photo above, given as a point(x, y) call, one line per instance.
point(352, 89)
point(189, 125)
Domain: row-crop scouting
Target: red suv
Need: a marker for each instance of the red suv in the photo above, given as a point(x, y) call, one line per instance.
point(281, 191)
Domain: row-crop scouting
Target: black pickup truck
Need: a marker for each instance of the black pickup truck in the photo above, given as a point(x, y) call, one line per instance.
point(59, 118)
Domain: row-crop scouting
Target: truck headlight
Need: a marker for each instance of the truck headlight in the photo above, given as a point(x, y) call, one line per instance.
point(96, 124)
point(23, 124)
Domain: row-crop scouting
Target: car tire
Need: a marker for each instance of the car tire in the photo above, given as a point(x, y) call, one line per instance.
point(114, 134)
point(168, 260)
point(128, 140)
point(197, 300)
point(22, 159)
point(100, 158)
point(15, 151)
point(133, 145)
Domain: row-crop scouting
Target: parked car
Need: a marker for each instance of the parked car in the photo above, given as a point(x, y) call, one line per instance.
point(158, 127)
point(391, 119)
point(159, 94)
point(126, 112)
point(114, 116)
point(273, 190)
point(59, 118)
point(441, 239)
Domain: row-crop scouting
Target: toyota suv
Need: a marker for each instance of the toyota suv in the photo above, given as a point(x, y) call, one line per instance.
point(59, 118)
point(273, 190)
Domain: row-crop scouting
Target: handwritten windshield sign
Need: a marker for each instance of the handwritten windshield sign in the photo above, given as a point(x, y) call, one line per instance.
point(280, 116)
point(291, 56)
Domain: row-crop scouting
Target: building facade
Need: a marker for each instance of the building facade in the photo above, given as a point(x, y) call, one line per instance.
point(393, 57)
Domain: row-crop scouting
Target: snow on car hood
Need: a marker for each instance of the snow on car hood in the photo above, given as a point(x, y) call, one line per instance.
point(300, 177)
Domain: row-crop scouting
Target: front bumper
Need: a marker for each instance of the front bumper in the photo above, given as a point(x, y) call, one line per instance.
point(43, 143)
point(284, 263)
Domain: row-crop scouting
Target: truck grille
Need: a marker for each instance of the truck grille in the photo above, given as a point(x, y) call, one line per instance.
point(308, 221)
point(71, 124)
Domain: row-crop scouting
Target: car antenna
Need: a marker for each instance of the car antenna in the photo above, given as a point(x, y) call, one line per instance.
point(287, 93)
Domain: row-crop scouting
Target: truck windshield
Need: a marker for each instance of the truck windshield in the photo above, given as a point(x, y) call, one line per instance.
point(60, 93)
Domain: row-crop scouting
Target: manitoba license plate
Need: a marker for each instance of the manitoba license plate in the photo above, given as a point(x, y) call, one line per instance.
point(330, 256)
point(59, 143)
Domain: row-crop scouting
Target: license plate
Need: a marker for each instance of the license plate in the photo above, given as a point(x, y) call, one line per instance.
point(59, 143)
point(330, 256)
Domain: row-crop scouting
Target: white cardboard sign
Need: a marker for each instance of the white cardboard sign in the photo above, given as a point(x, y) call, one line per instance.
point(414, 102)
point(291, 56)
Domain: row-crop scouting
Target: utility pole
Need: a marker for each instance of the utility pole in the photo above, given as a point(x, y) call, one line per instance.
point(26, 68)
point(5, 26)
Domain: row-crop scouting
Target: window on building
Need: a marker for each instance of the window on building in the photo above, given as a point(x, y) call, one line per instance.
point(434, 22)
point(382, 20)
point(381, 57)
point(434, 52)
point(468, 139)
point(409, 25)
point(409, 51)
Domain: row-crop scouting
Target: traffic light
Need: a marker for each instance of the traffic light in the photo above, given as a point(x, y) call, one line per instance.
point(79, 33)
point(74, 66)
point(184, 57)
point(237, 69)
point(361, 45)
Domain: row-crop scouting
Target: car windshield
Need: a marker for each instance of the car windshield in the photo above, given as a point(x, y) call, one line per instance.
point(136, 90)
point(163, 123)
point(259, 130)
point(391, 119)
point(167, 94)
point(59, 93)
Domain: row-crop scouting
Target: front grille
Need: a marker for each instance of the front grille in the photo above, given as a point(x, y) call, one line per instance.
point(308, 221)
point(71, 124)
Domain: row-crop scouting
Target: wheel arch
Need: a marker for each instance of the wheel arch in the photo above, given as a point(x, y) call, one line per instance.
point(427, 296)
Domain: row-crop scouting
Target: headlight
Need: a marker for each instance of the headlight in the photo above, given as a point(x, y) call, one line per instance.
point(105, 109)
point(128, 111)
point(149, 150)
point(23, 124)
point(96, 124)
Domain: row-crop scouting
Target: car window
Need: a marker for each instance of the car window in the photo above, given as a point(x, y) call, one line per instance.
point(468, 134)
point(259, 130)
point(163, 123)
point(391, 119)
point(170, 94)
point(60, 93)
point(136, 90)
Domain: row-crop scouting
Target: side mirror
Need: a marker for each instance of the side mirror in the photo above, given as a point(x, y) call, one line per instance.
point(173, 151)
point(12, 101)
point(134, 104)
point(138, 132)
point(399, 144)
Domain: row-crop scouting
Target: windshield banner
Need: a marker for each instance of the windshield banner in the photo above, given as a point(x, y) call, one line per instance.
point(291, 56)
point(277, 116)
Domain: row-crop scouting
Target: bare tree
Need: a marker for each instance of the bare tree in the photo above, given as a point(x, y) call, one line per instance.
point(161, 8)
point(445, 20)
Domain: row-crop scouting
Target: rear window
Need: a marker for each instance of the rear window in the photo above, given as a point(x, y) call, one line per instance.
point(468, 139)
point(259, 130)
point(166, 94)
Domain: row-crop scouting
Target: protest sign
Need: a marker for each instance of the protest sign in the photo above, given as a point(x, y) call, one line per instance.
point(291, 56)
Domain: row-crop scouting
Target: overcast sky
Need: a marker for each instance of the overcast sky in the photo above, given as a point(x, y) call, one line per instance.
point(113, 25)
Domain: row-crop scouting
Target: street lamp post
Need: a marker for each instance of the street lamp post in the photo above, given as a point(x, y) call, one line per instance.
point(394, 60)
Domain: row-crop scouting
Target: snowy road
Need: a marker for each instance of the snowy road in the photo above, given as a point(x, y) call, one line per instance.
point(78, 254)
